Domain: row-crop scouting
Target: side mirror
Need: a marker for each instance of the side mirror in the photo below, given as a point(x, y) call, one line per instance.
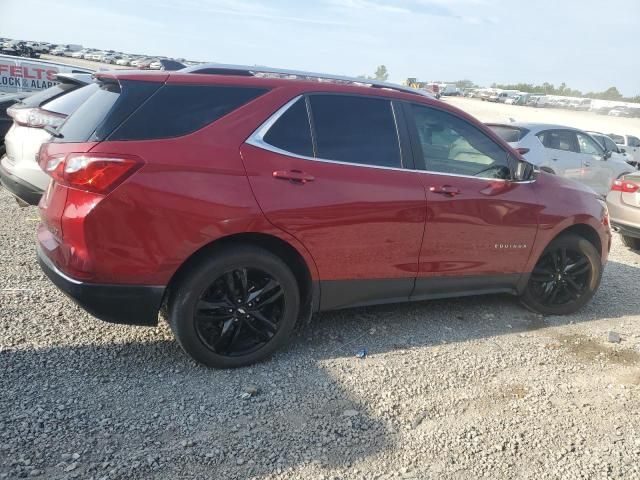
point(622, 150)
point(606, 155)
point(523, 171)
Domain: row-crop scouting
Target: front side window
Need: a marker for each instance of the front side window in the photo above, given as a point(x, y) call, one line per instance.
point(588, 146)
point(609, 145)
point(292, 132)
point(452, 145)
point(564, 140)
point(354, 129)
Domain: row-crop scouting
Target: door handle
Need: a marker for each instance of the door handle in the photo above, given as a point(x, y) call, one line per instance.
point(587, 164)
point(445, 190)
point(294, 176)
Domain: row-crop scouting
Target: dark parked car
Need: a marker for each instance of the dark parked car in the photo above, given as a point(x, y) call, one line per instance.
point(243, 199)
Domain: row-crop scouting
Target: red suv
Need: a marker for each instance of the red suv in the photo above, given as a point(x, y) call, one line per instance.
point(241, 200)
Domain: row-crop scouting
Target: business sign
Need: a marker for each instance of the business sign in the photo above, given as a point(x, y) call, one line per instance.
point(19, 74)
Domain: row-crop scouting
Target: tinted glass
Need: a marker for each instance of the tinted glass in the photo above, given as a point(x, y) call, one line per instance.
point(609, 145)
point(292, 131)
point(82, 123)
point(509, 134)
point(176, 110)
point(633, 141)
point(588, 145)
point(355, 130)
point(560, 140)
point(39, 98)
point(452, 145)
point(69, 102)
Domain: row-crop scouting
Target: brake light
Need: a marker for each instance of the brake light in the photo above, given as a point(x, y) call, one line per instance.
point(625, 186)
point(35, 117)
point(97, 173)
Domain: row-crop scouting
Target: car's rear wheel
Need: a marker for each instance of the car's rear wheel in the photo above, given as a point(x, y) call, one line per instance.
point(631, 242)
point(234, 308)
point(565, 278)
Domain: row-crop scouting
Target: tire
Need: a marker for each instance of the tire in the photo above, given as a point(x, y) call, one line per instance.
point(564, 285)
point(631, 242)
point(219, 339)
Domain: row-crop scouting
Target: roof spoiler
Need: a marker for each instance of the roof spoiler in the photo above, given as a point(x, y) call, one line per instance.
point(171, 65)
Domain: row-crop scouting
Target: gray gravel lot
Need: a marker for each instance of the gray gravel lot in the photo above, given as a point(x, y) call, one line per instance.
point(477, 387)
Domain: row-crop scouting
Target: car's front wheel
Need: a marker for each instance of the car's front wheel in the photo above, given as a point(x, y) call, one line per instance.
point(565, 278)
point(235, 307)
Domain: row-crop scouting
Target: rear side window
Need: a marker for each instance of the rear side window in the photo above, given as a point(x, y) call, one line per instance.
point(69, 102)
point(176, 110)
point(292, 131)
point(508, 133)
point(560, 140)
point(617, 138)
point(354, 129)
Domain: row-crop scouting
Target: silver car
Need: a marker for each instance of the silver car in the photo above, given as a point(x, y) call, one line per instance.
point(565, 151)
point(19, 169)
point(624, 209)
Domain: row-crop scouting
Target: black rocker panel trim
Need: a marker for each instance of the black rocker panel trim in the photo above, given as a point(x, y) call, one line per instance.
point(336, 294)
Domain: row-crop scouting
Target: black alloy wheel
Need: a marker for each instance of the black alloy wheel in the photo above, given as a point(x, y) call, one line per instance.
point(234, 307)
point(240, 312)
point(565, 277)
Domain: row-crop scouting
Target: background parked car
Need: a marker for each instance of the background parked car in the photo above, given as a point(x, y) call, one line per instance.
point(6, 101)
point(611, 146)
point(628, 144)
point(624, 209)
point(19, 170)
point(565, 151)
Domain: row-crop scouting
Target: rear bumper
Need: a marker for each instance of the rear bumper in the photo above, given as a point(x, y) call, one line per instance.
point(127, 304)
point(626, 230)
point(19, 188)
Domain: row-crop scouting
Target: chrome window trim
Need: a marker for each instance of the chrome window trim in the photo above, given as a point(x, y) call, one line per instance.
point(256, 139)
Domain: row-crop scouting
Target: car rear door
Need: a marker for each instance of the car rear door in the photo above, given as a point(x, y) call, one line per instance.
point(563, 153)
point(335, 171)
point(480, 225)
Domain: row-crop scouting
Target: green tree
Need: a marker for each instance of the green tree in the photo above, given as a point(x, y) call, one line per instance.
point(381, 74)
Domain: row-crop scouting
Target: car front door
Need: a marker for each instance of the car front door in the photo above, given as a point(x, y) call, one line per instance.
point(330, 170)
point(480, 225)
point(598, 171)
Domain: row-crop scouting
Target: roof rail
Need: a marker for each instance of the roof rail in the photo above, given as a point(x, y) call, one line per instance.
point(256, 71)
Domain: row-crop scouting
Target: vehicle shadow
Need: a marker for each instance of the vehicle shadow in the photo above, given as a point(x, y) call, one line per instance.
point(144, 409)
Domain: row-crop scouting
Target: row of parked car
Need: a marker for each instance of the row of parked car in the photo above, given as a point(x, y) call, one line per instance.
point(246, 198)
point(515, 97)
point(110, 57)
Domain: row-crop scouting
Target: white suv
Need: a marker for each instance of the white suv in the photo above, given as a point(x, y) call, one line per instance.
point(19, 169)
point(565, 151)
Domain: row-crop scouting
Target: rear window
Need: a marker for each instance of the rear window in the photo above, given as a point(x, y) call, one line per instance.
point(49, 94)
point(354, 129)
point(177, 110)
point(508, 133)
point(69, 102)
point(136, 110)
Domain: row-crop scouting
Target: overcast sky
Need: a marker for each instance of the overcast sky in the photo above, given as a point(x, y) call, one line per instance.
point(589, 44)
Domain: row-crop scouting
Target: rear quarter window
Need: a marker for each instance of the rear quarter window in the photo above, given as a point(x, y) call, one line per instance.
point(176, 110)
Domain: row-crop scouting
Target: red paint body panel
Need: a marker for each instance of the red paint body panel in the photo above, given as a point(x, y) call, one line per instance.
point(357, 222)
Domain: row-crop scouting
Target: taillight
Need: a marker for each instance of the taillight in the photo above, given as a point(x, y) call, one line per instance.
point(35, 117)
point(625, 186)
point(98, 173)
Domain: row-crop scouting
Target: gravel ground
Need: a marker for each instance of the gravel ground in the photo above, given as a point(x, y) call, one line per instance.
point(470, 388)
